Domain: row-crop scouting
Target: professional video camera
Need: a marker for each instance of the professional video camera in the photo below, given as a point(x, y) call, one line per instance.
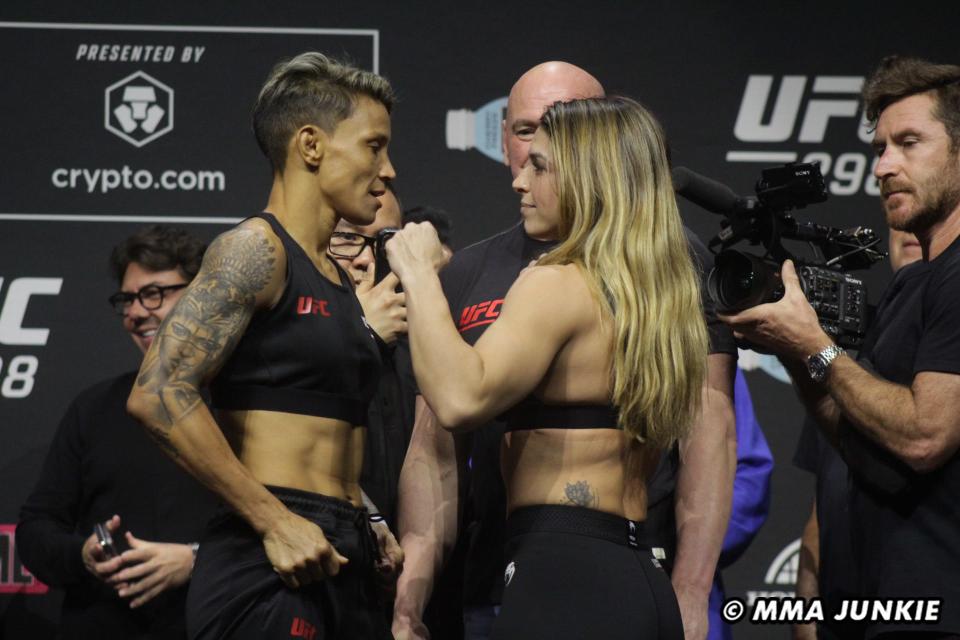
point(741, 280)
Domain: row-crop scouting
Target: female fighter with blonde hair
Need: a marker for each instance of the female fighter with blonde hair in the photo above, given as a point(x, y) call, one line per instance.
point(598, 358)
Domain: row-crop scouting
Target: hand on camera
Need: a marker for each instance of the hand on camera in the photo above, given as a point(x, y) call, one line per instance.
point(788, 327)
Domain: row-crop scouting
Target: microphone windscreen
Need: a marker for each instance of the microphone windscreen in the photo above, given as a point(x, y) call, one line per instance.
point(704, 192)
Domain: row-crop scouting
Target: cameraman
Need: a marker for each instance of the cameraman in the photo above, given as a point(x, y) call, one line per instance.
point(827, 568)
point(894, 414)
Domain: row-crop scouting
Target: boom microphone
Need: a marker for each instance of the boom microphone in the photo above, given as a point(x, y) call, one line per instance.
point(704, 192)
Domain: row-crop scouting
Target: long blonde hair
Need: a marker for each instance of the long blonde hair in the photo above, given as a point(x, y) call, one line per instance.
point(620, 225)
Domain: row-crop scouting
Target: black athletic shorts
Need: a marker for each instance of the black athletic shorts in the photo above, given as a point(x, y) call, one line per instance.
point(574, 572)
point(235, 593)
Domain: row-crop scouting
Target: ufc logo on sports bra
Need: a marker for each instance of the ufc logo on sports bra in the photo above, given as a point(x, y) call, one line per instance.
point(311, 306)
point(479, 314)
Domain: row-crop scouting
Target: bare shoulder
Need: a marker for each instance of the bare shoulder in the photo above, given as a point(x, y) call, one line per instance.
point(553, 289)
point(550, 276)
point(553, 279)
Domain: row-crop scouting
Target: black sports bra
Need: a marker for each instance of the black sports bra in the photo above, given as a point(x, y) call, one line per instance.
point(311, 354)
point(533, 413)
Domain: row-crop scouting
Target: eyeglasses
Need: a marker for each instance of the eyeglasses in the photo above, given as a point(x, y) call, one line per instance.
point(344, 244)
point(349, 245)
point(150, 296)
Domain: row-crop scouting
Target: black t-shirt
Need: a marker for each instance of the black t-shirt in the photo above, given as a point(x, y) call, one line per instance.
point(389, 425)
point(102, 462)
point(908, 544)
point(837, 577)
point(475, 283)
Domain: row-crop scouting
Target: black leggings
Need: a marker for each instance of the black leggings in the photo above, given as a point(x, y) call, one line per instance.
point(574, 572)
point(235, 593)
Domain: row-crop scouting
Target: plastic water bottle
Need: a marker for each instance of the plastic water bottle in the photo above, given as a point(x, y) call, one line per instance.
point(480, 129)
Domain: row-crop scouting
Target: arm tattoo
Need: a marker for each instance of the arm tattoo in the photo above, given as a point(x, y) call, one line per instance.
point(581, 494)
point(199, 334)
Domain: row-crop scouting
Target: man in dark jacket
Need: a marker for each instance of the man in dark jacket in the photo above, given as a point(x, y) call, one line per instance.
point(103, 468)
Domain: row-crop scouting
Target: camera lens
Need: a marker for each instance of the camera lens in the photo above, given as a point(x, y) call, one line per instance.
point(739, 281)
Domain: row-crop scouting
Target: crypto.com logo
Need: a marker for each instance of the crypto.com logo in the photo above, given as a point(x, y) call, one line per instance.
point(138, 109)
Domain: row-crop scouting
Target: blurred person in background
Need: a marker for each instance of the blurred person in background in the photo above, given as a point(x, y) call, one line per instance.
point(103, 468)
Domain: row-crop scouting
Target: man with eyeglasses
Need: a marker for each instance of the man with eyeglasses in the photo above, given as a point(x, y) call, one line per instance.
point(390, 413)
point(103, 468)
point(355, 249)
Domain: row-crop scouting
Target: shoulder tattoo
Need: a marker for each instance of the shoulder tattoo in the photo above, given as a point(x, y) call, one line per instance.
point(199, 334)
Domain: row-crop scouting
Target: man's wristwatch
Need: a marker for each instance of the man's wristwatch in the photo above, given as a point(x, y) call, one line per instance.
point(818, 363)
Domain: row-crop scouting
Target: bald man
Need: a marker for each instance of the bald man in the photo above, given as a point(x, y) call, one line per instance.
point(475, 283)
point(536, 90)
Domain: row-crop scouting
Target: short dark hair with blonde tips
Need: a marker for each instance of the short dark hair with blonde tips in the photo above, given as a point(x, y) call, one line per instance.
point(310, 89)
